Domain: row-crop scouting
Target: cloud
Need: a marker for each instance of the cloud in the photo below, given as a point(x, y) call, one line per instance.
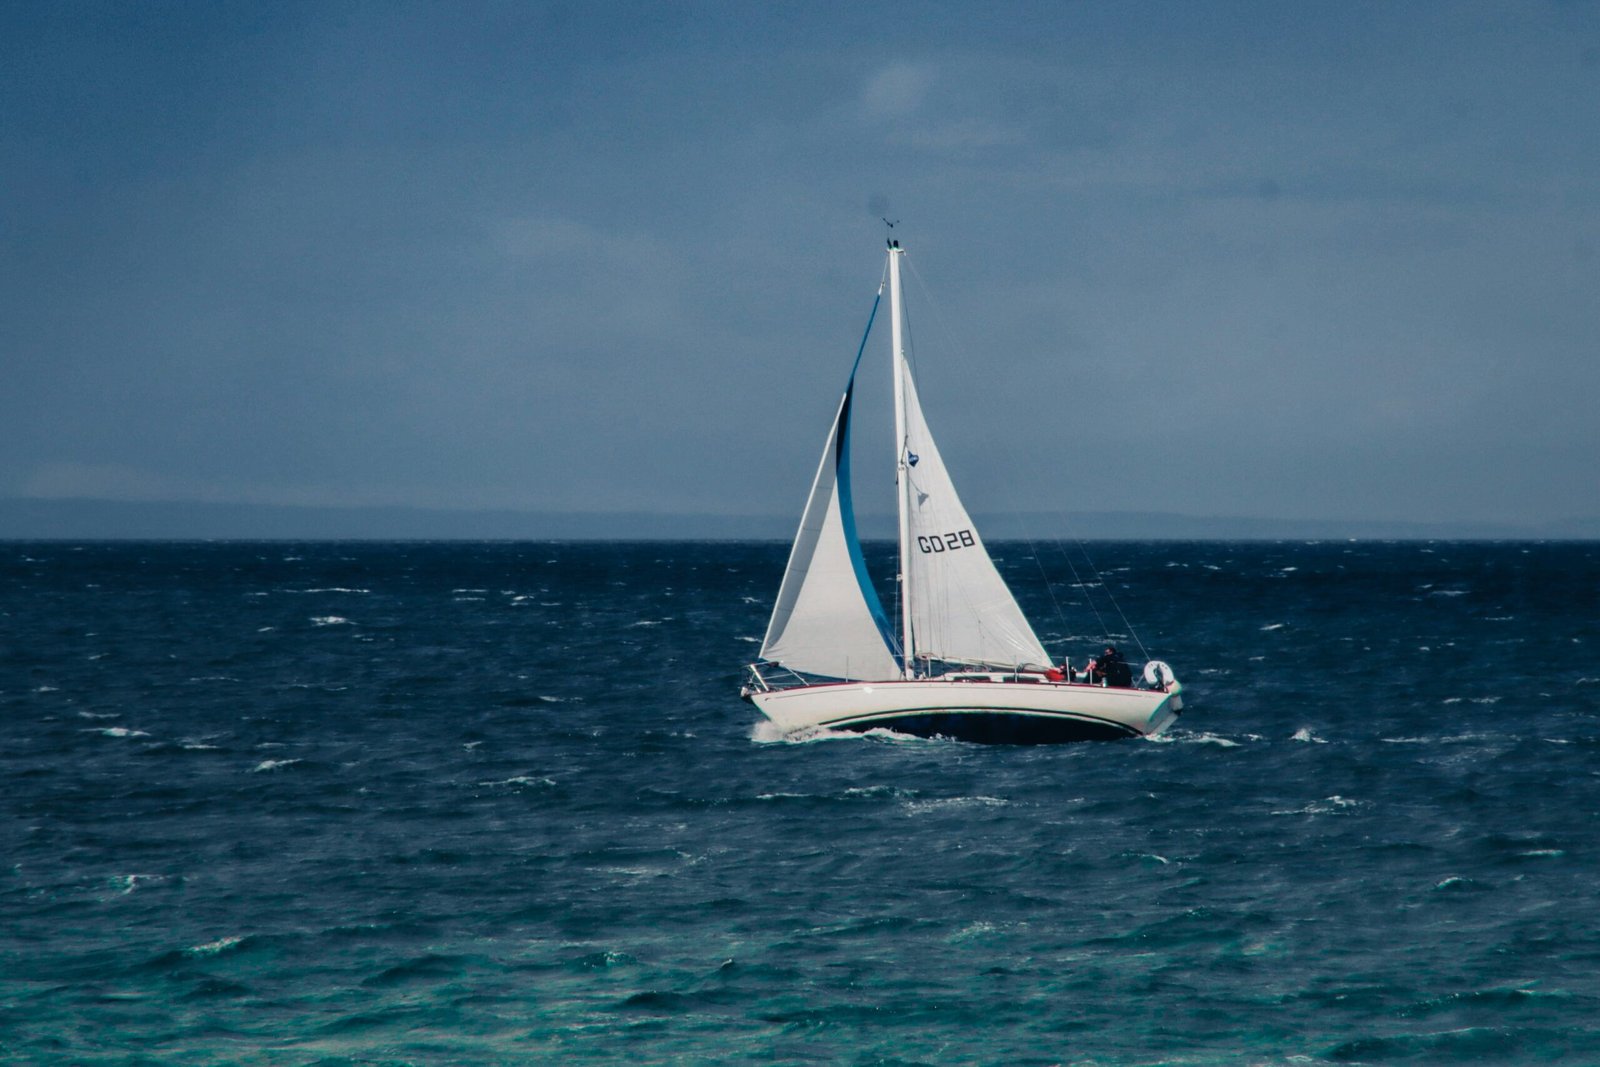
point(897, 91)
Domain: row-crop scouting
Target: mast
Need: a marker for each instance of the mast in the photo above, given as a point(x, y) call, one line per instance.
point(902, 479)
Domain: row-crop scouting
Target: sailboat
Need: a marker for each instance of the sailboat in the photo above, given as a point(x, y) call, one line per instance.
point(961, 661)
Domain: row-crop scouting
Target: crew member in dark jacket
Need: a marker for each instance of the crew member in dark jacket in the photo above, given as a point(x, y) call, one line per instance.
point(1112, 668)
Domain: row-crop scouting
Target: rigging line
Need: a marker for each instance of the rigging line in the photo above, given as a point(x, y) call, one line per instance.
point(1079, 583)
point(1113, 598)
point(1012, 461)
point(1100, 580)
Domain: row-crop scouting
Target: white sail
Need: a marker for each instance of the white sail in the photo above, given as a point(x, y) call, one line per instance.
point(828, 619)
point(961, 610)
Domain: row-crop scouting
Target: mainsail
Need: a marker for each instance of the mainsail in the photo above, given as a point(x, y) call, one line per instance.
point(828, 619)
point(961, 610)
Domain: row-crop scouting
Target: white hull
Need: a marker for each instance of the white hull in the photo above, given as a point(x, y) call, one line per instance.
point(1029, 712)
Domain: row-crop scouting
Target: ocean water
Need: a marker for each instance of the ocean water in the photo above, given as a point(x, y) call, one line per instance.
point(352, 803)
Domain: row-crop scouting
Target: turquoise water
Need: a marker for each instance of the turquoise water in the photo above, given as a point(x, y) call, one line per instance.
point(499, 803)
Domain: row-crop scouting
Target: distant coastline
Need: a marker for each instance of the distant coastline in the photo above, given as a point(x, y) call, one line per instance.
point(23, 519)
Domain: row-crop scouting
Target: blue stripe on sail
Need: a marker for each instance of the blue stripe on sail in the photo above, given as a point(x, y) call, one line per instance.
point(847, 511)
point(864, 335)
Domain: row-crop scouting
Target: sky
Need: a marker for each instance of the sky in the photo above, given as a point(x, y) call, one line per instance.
point(1288, 260)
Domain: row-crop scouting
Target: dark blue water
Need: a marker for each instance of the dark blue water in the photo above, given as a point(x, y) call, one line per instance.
point(498, 803)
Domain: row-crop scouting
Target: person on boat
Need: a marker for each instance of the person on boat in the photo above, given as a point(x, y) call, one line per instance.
point(1111, 668)
point(1062, 673)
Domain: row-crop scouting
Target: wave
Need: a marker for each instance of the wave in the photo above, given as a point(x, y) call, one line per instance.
point(1333, 805)
point(217, 947)
point(922, 807)
point(1178, 737)
point(128, 883)
point(521, 780)
point(118, 731)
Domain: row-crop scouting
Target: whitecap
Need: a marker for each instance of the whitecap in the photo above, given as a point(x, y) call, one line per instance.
point(1330, 806)
point(554, 700)
point(1211, 739)
point(120, 731)
point(767, 732)
point(212, 948)
point(649, 622)
point(1486, 700)
point(1273, 626)
point(272, 765)
point(883, 733)
point(1448, 592)
point(330, 620)
point(871, 791)
point(918, 807)
point(1305, 734)
point(636, 872)
point(521, 780)
point(129, 882)
point(46, 689)
point(751, 640)
point(1544, 852)
point(971, 930)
